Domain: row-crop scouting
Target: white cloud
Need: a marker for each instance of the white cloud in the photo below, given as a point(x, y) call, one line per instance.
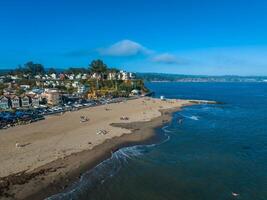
point(167, 58)
point(124, 48)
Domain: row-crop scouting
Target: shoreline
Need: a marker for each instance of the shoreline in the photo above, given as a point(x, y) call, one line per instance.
point(56, 176)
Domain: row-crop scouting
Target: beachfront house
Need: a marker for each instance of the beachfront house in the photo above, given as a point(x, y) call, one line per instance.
point(52, 96)
point(4, 103)
point(14, 101)
point(34, 100)
point(25, 101)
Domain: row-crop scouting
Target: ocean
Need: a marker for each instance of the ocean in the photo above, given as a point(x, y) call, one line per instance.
point(218, 152)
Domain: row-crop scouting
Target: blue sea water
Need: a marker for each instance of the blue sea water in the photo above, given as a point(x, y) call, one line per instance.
point(218, 150)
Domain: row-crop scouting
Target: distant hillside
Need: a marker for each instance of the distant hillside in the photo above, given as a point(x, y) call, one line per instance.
point(159, 77)
point(4, 71)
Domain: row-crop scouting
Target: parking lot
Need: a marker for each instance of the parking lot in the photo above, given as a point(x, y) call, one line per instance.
point(26, 116)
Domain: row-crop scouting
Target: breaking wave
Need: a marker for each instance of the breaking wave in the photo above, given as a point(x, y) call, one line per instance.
point(105, 170)
point(193, 117)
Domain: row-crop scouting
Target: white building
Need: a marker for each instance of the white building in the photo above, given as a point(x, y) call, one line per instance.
point(135, 92)
point(84, 76)
point(14, 77)
point(78, 76)
point(2, 79)
point(123, 75)
point(53, 76)
point(112, 76)
point(14, 99)
point(37, 77)
point(75, 84)
point(4, 102)
point(34, 100)
point(52, 96)
point(25, 101)
point(71, 76)
point(132, 75)
point(96, 76)
point(82, 89)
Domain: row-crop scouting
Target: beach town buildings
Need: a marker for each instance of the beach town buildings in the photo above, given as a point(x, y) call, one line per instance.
point(2, 78)
point(24, 101)
point(52, 96)
point(71, 76)
point(53, 76)
point(112, 76)
point(75, 84)
point(121, 75)
point(14, 101)
point(4, 103)
point(82, 89)
point(34, 100)
point(96, 76)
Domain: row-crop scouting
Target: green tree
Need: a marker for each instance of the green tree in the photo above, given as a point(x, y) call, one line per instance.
point(19, 92)
point(113, 70)
point(61, 87)
point(34, 69)
point(98, 66)
point(2, 87)
point(71, 90)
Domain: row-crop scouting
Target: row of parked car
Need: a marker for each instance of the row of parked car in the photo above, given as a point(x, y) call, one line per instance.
point(8, 119)
point(19, 117)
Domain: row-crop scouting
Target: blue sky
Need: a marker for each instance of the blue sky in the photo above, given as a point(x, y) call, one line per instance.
point(173, 36)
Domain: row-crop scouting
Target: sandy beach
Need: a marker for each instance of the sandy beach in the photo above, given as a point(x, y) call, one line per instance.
point(54, 152)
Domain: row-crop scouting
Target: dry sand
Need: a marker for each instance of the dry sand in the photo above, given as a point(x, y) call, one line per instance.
point(58, 149)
